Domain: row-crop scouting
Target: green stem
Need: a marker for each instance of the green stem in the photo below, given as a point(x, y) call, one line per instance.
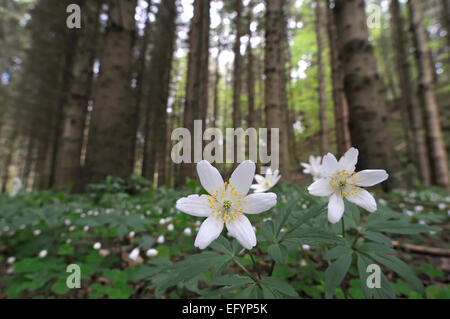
point(255, 266)
point(343, 227)
point(246, 271)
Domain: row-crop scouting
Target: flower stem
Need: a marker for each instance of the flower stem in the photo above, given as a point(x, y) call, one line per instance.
point(343, 227)
point(255, 266)
point(246, 271)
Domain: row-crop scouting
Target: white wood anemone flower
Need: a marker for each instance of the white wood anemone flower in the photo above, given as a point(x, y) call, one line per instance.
point(341, 181)
point(226, 204)
point(265, 183)
point(314, 168)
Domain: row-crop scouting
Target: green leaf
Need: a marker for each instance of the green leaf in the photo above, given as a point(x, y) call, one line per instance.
point(278, 285)
point(278, 253)
point(385, 291)
point(60, 287)
point(268, 231)
point(378, 238)
point(337, 252)
point(400, 227)
point(402, 269)
point(335, 273)
point(314, 237)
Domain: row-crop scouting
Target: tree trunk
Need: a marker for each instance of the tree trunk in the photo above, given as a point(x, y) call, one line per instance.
point(438, 154)
point(275, 80)
point(366, 96)
point(112, 132)
point(343, 140)
point(323, 131)
point(250, 74)
point(409, 103)
point(446, 19)
point(195, 79)
point(67, 168)
point(158, 92)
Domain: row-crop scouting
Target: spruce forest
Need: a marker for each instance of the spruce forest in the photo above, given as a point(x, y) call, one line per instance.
point(209, 149)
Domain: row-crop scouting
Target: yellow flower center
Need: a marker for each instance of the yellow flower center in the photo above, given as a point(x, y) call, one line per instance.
point(226, 203)
point(344, 183)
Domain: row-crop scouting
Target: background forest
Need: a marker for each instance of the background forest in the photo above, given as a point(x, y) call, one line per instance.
point(86, 117)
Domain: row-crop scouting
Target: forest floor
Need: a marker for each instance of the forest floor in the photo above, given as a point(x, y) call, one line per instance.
point(121, 218)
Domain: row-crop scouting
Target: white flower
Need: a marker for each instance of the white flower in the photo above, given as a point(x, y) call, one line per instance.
point(162, 221)
point(226, 204)
point(86, 228)
point(72, 228)
point(134, 254)
point(36, 232)
point(67, 222)
point(152, 252)
point(97, 246)
point(314, 168)
point(408, 212)
point(306, 247)
point(340, 180)
point(138, 207)
point(11, 260)
point(266, 183)
point(131, 234)
point(418, 208)
point(170, 227)
point(10, 271)
point(68, 241)
point(441, 206)
point(382, 201)
point(42, 253)
point(160, 239)
point(422, 222)
point(187, 231)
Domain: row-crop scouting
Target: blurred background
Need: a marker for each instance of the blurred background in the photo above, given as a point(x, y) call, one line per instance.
point(80, 104)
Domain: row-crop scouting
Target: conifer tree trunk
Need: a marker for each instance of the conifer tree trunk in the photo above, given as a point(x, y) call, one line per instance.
point(323, 131)
point(112, 132)
point(159, 79)
point(409, 103)
point(67, 168)
point(343, 140)
point(369, 123)
point(438, 154)
point(275, 79)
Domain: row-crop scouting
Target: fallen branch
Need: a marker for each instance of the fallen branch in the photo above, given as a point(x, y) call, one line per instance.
point(422, 249)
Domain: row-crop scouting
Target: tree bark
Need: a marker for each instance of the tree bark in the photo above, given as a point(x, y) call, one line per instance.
point(366, 96)
point(438, 154)
point(343, 140)
point(112, 133)
point(275, 80)
point(323, 131)
point(158, 92)
point(68, 167)
point(409, 103)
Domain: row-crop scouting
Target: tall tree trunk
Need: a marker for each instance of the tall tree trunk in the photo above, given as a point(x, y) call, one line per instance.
point(438, 154)
point(250, 73)
point(195, 79)
point(323, 131)
point(343, 140)
point(10, 149)
point(159, 79)
point(446, 19)
point(67, 166)
point(275, 79)
point(369, 123)
point(237, 77)
point(409, 103)
point(112, 132)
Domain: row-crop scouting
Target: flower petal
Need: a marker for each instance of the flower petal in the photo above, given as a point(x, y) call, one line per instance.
point(349, 160)
point(329, 165)
point(370, 177)
point(335, 208)
point(259, 179)
point(320, 187)
point(194, 205)
point(242, 230)
point(208, 232)
point(258, 203)
point(210, 177)
point(242, 177)
point(363, 199)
